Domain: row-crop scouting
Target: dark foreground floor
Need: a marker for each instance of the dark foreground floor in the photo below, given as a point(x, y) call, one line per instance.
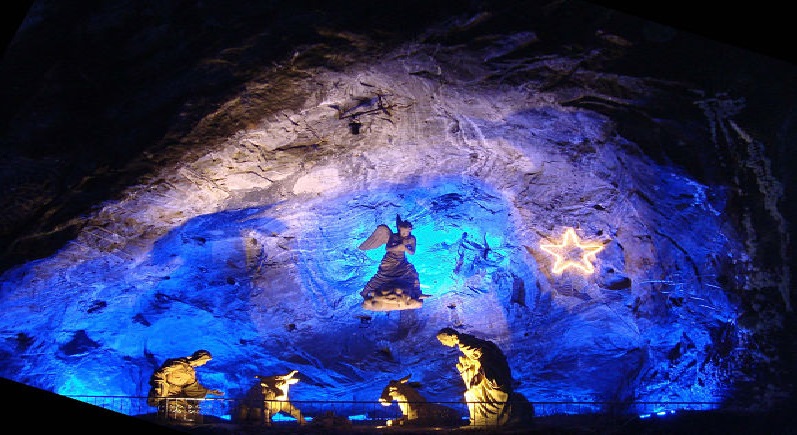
point(687, 423)
point(50, 412)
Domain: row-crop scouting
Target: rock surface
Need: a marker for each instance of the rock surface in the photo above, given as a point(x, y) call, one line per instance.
point(202, 180)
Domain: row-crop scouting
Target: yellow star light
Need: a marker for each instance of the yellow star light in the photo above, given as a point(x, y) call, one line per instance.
point(573, 253)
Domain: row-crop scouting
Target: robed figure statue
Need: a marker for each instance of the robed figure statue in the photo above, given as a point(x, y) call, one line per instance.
point(396, 285)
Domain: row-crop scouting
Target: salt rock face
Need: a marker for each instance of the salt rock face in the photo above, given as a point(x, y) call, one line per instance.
point(247, 246)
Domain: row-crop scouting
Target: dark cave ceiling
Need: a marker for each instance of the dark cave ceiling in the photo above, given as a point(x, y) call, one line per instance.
point(171, 165)
point(92, 160)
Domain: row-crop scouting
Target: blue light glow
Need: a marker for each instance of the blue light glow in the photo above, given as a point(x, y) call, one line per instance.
point(658, 414)
point(460, 226)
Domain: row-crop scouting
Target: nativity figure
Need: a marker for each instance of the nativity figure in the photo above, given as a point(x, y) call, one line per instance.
point(396, 285)
point(488, 381)
point(175, 389)
point(268, 398)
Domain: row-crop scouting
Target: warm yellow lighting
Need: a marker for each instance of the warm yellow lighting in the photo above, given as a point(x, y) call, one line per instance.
point(573, 253)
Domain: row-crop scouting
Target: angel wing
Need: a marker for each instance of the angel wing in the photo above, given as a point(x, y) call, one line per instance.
point(379, 237)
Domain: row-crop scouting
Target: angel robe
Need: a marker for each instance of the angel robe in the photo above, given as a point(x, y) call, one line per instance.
point(396, 280)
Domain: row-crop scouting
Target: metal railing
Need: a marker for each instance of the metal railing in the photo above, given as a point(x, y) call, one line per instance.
point(367, 413)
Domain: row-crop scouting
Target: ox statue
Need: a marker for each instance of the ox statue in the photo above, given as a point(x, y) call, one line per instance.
point(415, 409)
point(267, 398)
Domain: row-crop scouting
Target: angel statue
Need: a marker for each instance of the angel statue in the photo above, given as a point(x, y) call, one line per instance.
point(396, 285)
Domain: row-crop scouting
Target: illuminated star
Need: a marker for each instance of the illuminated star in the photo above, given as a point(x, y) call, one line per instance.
point(573, 253)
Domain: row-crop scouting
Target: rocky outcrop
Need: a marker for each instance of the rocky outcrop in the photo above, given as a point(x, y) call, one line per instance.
point(242, 238)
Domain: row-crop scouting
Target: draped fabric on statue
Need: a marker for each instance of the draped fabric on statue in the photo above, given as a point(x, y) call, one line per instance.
point(395, 272)
point(487, 378)
point(396, 285)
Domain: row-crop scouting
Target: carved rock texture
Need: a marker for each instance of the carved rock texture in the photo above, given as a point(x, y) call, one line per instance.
point(184, 178)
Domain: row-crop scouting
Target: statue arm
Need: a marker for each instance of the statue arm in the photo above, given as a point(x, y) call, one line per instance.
point(397, 244)
point(215, 392)
point(159, 377)
point(160, 386)
point(409, 244)
point(198, 390)
point(469, 369)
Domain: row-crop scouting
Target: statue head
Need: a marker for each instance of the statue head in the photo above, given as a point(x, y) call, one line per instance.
point(448, 337)
point(402, 224)
point(201, 353)
point(200, 357)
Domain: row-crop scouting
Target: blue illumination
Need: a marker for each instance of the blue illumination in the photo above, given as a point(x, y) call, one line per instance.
point(658, 414)
point(75, 386)
point(461, 228)
point(203, 286)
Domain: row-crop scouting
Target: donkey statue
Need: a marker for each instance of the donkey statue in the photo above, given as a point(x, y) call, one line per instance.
point(415, 409)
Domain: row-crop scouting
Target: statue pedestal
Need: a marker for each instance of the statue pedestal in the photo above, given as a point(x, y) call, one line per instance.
point(391, 301)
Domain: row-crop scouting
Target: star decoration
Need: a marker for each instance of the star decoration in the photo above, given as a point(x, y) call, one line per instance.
point(572, 253)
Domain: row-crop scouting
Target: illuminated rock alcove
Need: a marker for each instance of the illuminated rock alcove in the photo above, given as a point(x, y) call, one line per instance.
point(243, 238)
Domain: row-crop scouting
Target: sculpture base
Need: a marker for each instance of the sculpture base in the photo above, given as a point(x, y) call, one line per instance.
point(179, 411)
point(392, 302)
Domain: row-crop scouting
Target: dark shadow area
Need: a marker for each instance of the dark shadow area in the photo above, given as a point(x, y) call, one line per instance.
point(760, 28)
point(47, 412)
point(94, 95)
point(101, 91)
point(89, 112)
